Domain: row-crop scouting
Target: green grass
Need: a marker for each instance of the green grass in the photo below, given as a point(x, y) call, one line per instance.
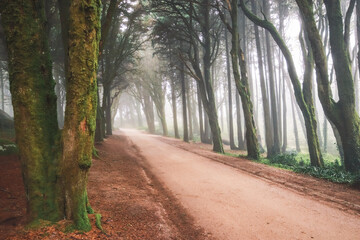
point(300, 163)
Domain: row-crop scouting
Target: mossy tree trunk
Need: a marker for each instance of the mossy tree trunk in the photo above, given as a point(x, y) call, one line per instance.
point(342, 113)
point(206, 87)
point(81, 105)
point(238, 59)
point(54, 177)
point(34, 103)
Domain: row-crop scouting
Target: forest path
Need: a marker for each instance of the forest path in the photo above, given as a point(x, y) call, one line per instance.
point(233, 204)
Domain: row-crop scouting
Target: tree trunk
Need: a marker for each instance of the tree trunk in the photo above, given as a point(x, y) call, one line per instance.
point(184, 106)
point(2, 89)
point(80, 113)
point(206, 88)
point(269, 138)
point(149, 113)
point(231, 124)
point(357, 81)
point(174, 109)
point(51, 192)
point(108, 114)
point(296, 134)
point(201, 121)
point(107, 107)
point(276, 146)
point(60, 111)
point(99, 136)
point(193, 112)
point(161, 114)
point(138, 113)
point(242, 85)
point(284, 146)
point(240, 135)
point(189, 104)
point(34, 104)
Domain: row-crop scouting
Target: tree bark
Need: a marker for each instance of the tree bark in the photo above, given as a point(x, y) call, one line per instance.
point(184, 106)
point(206, 88)
point(174, 109)
point(149, 113)
point(2, 89)
point(53, 192)
point(60, 111)
point(238, 59)
point(240, 135)
point(189, 104)
point(231, 123)
point(34, 104)
point(276, 146)
point(296, 133)
point(107, 108)
point(269, 138)
point(201, 121)
point(80, 113)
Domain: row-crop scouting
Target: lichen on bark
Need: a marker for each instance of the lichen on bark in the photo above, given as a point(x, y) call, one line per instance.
point(80, 113)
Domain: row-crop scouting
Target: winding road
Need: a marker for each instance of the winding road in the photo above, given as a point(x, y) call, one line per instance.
point(231, 204)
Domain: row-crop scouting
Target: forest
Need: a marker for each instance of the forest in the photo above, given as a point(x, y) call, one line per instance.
point(273, 82)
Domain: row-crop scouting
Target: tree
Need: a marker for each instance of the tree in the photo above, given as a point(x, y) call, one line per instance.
point(342, 113)
point(119, 53)
point(54, 167)
point(193, 24)
point(241, 81)
point(275, 149)
point(302, 96)
point(269, 138)
point(231, 122)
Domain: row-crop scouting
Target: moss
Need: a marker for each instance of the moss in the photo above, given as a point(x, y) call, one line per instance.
point(34, 101)
point(81, 218)
point(38, 223)
point(89, 209)
point(95, 153)
point(85, 162)
point(98, 221)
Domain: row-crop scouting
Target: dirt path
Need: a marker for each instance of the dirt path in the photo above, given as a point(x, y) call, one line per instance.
point(233, 204)
point(132, 202)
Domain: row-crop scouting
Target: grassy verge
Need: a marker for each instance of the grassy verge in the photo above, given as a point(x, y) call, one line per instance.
point(300, 163)
point(7, 147)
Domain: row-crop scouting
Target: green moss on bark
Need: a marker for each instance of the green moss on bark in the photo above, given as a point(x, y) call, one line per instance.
point(34, 102)
point(80, 113)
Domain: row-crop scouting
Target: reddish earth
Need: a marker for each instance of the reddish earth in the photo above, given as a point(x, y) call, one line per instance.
point(151, 187)
point(132, 202)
